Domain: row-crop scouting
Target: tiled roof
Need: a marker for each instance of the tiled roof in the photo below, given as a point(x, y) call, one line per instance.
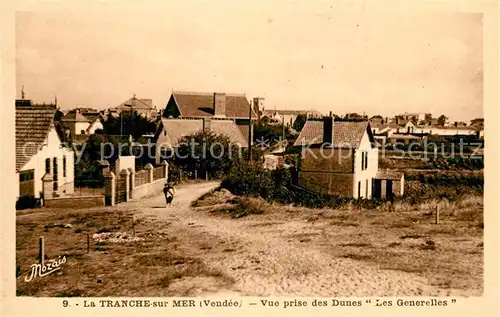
point(230, 129)
point(345, 134)
point(75, 117)
point(386, 174)
point(200, 104)
point(32, 127)
point(135, 103)
point(178, 128)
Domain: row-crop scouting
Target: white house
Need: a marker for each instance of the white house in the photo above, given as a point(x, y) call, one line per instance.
point(39, 151)
point(340, 158)
point(80, 124)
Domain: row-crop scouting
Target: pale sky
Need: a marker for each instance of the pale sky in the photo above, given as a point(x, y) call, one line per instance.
point(343, 58)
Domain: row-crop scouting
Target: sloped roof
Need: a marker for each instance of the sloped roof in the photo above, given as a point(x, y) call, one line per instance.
point(345, 134)
point(201, 104)
point(387, 174)
point(75, 117)
point(178, 128)
point(32, 127)
point(135, 103)
point(230, 129)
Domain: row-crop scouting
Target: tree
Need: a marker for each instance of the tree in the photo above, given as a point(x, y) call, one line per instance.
point(299, 123)
point(442, 119)
point(269, 132)
point(207, 152)
point(129, 123)
point(355, 117)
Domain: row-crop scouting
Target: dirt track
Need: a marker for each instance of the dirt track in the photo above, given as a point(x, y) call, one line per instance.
point(269, 255)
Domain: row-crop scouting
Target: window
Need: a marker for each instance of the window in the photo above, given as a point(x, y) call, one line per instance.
point(359, 189)
point(366, 160)
point(362, 160)
point(54, 174)
point(366, 189)
point(64, 166)
point(26, 175)
point(47, 166)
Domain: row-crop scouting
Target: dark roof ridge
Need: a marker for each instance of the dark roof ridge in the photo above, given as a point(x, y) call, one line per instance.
point(200, 93)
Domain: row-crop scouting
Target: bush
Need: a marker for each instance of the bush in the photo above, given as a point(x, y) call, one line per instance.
point(251, 179)
point(27, 202)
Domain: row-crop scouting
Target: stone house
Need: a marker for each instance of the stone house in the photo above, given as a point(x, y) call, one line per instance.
point(40, 153)
point(340, 158)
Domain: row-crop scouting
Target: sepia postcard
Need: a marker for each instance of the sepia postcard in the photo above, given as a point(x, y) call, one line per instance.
point(217, 157)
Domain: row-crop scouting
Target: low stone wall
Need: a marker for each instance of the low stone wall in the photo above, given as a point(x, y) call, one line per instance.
point(75, 202)
point(149, 189)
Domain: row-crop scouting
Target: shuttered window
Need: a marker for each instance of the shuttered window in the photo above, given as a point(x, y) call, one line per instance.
point(64, 166)
point(54, 174)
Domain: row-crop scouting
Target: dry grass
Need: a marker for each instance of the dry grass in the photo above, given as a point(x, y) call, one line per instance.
point(145, 268)
point(449, 254)
point(396, 236)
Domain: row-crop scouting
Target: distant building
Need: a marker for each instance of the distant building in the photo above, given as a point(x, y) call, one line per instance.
point(418, 116)
point(82, 124)
point(40, 152)
point(287, 117)
point(199, 105)
point(143, 107)
point(478, 123)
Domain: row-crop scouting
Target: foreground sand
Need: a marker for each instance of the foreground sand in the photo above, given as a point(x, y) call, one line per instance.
point(274, 254)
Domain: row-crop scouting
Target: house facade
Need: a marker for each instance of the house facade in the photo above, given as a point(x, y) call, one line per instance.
point(40, 152)
point(198, 105)
point(341, 159)
point(172, 130)
point(337, 158)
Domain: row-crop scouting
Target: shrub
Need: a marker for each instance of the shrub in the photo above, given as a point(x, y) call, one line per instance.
point(251, 179)
point(27, 202)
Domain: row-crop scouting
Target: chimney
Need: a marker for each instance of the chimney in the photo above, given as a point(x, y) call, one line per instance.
point(219, 104)
point(207, 124)
point(328, 129)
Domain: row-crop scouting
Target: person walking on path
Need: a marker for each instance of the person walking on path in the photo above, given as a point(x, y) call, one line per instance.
point(169, 192)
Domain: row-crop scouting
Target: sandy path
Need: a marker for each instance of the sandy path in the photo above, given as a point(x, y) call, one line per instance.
point(262, 258)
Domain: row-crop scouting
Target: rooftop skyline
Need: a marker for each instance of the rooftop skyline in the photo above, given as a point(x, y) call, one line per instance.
point(351, 57)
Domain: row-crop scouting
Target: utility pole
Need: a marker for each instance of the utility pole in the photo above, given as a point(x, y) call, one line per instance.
point(250, 134)
point(255, 103)
point(283, 128)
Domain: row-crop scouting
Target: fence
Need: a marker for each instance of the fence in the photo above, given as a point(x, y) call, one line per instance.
point(110, 190)
point(158, 173)
point(87, 188)
point(141, 178)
